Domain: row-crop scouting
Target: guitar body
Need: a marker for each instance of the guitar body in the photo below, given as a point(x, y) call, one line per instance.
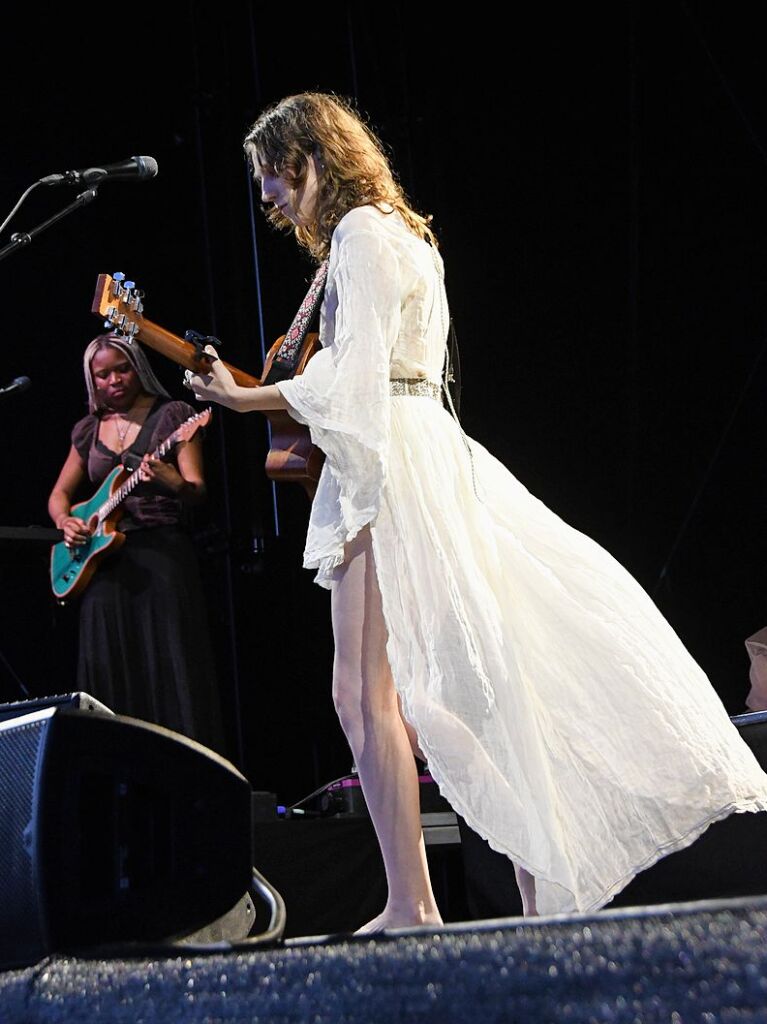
point(292, 454)
point(72, 568)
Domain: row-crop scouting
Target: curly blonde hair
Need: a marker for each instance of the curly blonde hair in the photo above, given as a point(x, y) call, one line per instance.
point(354, 169)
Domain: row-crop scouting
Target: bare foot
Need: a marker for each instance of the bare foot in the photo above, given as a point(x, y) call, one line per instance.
point(400, 916)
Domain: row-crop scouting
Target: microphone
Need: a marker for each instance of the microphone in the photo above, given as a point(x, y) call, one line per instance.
point(19, 384)
point(135, 168)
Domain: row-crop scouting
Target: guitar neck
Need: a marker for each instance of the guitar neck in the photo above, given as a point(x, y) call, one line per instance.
point(132, 482)
point(123, 308)
point(185, 432)
point(293, 455)
point(184, 353)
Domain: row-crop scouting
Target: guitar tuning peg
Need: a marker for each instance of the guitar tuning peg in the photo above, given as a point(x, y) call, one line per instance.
point(119, 276)
point(129, 284)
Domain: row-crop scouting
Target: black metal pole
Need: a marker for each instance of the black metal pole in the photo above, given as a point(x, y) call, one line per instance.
point(24, 238)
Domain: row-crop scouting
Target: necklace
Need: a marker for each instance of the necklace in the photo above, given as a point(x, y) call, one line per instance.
point(122, 434)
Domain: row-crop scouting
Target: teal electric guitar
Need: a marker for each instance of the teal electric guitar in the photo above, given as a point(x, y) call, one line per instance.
point(72, 568)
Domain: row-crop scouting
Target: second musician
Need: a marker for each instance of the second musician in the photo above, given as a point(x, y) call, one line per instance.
point(144, 647)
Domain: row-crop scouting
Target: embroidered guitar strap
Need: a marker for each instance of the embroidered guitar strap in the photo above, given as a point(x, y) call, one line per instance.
point(287, 356)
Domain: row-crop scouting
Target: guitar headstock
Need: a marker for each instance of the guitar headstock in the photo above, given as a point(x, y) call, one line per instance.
point(189, 427)
point(120, 303)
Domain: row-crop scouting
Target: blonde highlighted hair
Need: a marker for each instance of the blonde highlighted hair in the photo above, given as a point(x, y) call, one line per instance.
point(133, 353)
point(353, 167)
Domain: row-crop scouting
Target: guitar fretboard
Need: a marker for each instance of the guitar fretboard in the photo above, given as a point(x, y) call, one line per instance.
point(161, 450)
point(133, 481)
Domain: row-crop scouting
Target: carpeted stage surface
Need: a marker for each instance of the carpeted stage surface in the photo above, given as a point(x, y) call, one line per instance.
point(696, 962)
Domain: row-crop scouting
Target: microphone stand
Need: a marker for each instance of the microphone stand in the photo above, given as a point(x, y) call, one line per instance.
point(18, 241)
point(22, 238)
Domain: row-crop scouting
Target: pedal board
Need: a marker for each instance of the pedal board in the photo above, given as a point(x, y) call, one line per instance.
point(344, 798)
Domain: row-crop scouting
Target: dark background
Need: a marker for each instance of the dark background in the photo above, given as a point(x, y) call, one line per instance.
point(598, 185)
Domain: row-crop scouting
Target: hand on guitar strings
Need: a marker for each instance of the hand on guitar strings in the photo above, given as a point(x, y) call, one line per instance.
point(163, 473)
point(75, 531)
point(217, 386)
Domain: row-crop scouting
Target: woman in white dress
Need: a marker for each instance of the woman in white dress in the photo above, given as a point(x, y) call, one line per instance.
point(558, 711)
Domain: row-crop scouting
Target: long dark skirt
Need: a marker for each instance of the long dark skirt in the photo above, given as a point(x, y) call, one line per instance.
point(145, 648)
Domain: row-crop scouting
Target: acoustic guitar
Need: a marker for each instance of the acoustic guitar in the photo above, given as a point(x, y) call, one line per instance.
point(292, 455)
point(72, 569)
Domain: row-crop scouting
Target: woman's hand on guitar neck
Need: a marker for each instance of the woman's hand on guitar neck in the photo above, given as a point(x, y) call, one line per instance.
point(219, 386)
point(165, 476)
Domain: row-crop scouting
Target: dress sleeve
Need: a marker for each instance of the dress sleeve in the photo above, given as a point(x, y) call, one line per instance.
point(171, 416)
point(343, 394)
point(82, 436)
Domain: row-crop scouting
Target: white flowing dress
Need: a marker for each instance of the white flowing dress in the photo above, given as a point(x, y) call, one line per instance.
point(560, 713)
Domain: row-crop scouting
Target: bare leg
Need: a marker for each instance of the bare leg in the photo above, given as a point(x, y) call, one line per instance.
point(526, 885)
point(368, 708)
point(411, 735)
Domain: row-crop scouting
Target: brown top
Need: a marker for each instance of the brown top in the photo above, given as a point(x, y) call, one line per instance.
point(145, 507)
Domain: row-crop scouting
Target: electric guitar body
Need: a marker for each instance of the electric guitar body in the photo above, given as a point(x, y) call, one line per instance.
point(72, 568)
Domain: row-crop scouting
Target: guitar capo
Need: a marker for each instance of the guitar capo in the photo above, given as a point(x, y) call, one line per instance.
point(200, 341)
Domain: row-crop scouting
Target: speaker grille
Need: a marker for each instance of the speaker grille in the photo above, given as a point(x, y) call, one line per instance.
point(23, 936)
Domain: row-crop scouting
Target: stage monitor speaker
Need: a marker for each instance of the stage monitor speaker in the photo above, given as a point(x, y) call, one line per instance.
point(113, 830)
point(77, 700)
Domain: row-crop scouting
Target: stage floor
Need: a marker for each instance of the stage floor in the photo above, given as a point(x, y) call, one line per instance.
point(702, 962)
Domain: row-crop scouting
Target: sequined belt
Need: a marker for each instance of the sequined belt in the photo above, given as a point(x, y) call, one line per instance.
point(414, 386)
